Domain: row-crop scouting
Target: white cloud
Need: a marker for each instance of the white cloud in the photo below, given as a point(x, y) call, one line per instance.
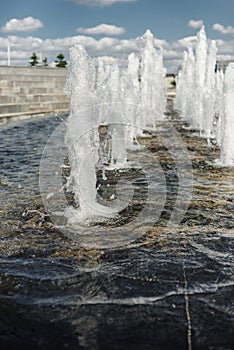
point(160, 42)
point(108, 47)
point(225, 47)
point(187, 41)
point(103, 28)
point(224, 30)
point(111, 48)
point(171, 55)
point(107, 59)
point(100, 3)
point(22, 25)
point(195, 24)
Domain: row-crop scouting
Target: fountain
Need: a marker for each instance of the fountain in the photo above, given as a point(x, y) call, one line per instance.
point(204, 98)
point(131, 87)
point(185, 87)
point(82, 137)
point(219, 105)
point(153, 97)
point(195, 97)
point(116, 127)
point(106, 96)
point(101, 87)
point(200, 76)
point(159, 274)
point(227, 124)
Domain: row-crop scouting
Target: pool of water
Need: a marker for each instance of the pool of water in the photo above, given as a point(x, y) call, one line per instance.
point(171, 288)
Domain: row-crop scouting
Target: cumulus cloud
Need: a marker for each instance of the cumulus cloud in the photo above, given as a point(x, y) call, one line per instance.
point(187, 41)
point(171, 55)
point(160, 42)
point(110, 48)
point(106, 46)
point(107, 59)
point(100, 3)
point(106, 29)
point(224, 30)
point(225, 47)
point(22, 25)
point(195, 24)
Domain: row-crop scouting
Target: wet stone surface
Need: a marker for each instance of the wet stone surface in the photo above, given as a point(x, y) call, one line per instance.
point(172, 288)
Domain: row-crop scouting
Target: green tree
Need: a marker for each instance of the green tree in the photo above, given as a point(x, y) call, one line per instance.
point(33, 60)
point(45, 62)
point(173, 83)
point(60, 61)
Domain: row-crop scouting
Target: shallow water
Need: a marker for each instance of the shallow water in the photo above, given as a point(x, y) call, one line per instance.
point(171, 288)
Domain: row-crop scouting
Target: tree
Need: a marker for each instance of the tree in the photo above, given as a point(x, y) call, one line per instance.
point(34, 60)
point(44, 61)
point(173, 83)
point(60, 61)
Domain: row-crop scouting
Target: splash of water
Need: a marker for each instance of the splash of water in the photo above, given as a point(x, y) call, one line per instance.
point(82, 136)
point(104, 95)
point(205, 98)
point(219, 105)
point(227, 129)
point(116, 127)
point(196, 98)
point(153, 97)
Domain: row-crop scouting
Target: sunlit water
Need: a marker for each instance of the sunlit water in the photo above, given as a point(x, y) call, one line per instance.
point(170, 289)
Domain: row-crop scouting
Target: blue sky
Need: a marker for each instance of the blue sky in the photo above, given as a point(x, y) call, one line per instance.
point(52, 25)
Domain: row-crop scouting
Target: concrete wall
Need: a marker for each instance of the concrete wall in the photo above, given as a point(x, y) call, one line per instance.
point(31, 91)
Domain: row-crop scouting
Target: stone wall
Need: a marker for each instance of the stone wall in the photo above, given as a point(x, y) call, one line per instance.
point(31, 91)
